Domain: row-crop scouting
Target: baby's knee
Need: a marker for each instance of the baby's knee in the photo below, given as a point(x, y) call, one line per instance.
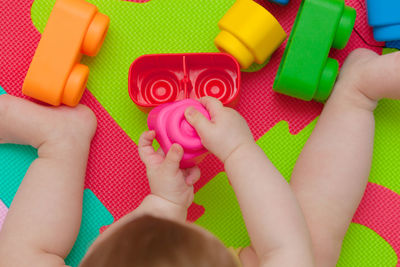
point(88, 116)
point(85, 120)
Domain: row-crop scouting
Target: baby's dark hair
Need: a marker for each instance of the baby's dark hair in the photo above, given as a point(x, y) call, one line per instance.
point(153, 242)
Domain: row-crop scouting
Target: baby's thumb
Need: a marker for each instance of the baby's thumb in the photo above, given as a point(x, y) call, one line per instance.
point(200, 123)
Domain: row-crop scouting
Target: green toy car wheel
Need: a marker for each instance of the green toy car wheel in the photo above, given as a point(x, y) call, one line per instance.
point(345, 28)
point(305, 71)
point(327, 80)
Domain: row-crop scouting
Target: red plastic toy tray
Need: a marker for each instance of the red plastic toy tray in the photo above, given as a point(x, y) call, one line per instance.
point(162, 78)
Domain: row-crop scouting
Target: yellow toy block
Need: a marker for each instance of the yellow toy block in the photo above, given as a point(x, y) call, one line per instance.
point(249, 33)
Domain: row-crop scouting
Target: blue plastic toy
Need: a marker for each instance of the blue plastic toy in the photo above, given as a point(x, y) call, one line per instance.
point(281, 2)
point(393, 44)
point(384, 17)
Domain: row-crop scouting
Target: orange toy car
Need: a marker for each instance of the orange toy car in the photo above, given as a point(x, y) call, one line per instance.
point(55, 75)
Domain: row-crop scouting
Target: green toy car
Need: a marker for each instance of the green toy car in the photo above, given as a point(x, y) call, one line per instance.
point(306, 71)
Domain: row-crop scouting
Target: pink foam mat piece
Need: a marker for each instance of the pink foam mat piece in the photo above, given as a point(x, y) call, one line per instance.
point(115, 173)
point(379, 210)
point(3, 213)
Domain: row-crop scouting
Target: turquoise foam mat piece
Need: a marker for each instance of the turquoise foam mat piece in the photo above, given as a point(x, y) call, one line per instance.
point(94, 214)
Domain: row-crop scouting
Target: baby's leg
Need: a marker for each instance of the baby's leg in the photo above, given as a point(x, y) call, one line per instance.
point(332, 171)
point(44, 218)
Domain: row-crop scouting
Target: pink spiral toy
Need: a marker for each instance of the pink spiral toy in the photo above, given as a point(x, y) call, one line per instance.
point(171, 126)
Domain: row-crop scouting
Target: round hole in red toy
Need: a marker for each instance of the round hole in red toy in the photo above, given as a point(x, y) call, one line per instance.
point(160, 88)
point(215, 83)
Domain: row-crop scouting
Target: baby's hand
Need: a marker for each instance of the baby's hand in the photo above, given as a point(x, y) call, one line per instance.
point(166, 179)
point(225, 133)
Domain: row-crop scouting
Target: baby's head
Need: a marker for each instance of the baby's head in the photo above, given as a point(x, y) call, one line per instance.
point(154, 242)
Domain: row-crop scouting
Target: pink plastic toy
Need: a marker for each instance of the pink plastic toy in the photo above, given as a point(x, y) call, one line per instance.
point(159, 79)
point(170, 125)
point(3, 213)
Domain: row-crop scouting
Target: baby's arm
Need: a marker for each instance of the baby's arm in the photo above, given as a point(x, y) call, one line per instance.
point(44, 218)
point(272, 215)
point(332, 171)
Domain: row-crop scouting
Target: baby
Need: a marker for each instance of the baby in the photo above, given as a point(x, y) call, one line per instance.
point(301, 224)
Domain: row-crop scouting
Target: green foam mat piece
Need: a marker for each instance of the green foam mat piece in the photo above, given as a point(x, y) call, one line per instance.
point(94, 214)
point(363, 247)
point(158, 26)
point(385, 167)
point(220, 203)
point(283, 148)
point(388, 50)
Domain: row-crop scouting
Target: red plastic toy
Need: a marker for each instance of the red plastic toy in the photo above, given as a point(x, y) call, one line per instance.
point(171, 126)
point(159, 79)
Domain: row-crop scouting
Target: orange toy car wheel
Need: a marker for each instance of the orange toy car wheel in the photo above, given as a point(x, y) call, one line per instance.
point(95, 34)
point(76, 85)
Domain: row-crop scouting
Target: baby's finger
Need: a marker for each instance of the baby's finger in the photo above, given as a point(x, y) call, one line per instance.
point(172, 159)
point(161, 152)
point(198, 121)
point(145, 145)
point(193, 175)
point(212, 105)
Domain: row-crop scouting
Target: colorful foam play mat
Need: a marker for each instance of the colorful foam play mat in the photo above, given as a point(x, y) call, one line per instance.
point(116, 181)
